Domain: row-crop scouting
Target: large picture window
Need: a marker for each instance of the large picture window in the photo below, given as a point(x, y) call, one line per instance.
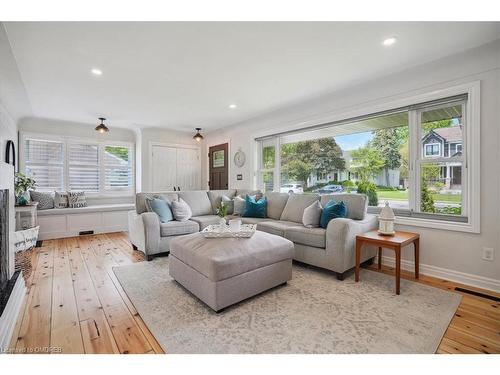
point(414, 157)
point(58, 163)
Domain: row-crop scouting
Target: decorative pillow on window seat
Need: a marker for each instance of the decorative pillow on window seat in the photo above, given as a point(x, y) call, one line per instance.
point(61, 199)
point(45, 200)
point(161, 207)
point(332, 210)
point(76, 199)
point(255, 208)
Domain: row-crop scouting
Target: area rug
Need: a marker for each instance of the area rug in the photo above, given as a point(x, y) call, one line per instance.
point(313, 313)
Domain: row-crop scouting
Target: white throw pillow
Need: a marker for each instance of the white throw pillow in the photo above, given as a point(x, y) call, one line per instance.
point(181, 210)
point(76, 199)
point(238, 206)
point(60, 199)
point(230, 204)
point(312, 215)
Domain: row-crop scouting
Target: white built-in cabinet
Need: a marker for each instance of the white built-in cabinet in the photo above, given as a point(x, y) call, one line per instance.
point(176, 166)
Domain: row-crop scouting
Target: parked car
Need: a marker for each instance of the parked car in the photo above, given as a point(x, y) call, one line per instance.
point(292, 188)
point(329, 189)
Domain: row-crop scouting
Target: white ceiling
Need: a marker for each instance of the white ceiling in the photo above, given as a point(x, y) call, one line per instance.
point(184, 75)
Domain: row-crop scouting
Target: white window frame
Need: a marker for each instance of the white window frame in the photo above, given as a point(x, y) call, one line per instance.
point(66, 140)
point(275, 141)
point(432, 155)
point(471, 173)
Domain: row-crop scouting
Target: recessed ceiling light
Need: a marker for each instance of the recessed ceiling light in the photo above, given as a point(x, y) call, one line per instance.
point(232, 106)
point(389, 41)
point(96, 71)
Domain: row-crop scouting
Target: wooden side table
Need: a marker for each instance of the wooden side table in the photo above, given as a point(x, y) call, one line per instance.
point(396, 242)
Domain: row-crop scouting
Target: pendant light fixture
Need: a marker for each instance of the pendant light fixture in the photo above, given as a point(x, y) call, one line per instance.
point(198, 137)
point(101, 128)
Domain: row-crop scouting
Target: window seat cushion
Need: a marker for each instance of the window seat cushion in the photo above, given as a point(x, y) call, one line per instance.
point(93, 208)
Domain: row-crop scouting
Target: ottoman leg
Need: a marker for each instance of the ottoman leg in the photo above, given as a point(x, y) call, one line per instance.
point(149, 257)
point(340, 276)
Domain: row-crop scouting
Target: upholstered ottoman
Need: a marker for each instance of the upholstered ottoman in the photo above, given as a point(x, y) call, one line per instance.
point(224, 271)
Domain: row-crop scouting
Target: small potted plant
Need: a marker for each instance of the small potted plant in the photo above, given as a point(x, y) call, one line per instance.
point(222, 212)
point(22, 184)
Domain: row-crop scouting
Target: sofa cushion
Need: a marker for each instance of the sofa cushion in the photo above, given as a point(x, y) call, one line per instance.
point(222, 258)
point(276, 227)
point(295, 206)
point(357, 204)
point(254, 207)
point(252, 220)
point(215, 197)
point(275, 204)
point(206, 220)
point(315, 237)
point(244, 192)
point(140, 199)
point(177, 228)
point(198, 202)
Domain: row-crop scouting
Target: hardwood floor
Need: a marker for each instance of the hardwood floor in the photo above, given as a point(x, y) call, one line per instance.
point(75, 304)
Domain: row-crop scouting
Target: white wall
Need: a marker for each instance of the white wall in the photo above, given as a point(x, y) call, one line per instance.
point(167, 136)
point(454, 255)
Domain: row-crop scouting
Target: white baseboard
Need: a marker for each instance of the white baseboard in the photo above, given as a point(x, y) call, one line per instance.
point(11, 313)
point(446, 274)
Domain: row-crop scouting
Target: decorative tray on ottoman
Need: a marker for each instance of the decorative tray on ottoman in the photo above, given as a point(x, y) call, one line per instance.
point(221, 231)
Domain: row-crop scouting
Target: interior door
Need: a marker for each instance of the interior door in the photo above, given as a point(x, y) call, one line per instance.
point(218, 167)
point(188, 169)
point(164, 170)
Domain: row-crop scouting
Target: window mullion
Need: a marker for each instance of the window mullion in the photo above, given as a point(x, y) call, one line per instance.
point(413, 156)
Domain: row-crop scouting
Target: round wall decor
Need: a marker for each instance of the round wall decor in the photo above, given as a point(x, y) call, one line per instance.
point(239, 158)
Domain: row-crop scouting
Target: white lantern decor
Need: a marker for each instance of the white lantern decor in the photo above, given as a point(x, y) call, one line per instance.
point(386, 221)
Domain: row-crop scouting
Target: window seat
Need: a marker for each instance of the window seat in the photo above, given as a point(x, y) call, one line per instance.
point(69, 222)
point(92, 208)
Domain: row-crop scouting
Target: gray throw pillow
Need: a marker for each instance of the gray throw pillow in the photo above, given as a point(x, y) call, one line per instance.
point(230, 204)
point(312, 215)
point(238, 206)
point(60, 199)
point(45, 200)
point(77, 199)
point(181, 210)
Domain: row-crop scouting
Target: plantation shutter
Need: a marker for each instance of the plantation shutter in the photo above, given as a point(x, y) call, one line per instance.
point(44, 161)
point(118, 168)
point(83, 167)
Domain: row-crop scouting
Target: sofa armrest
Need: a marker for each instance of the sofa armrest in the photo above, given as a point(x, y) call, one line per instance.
point(341, 241)
point(144, 231)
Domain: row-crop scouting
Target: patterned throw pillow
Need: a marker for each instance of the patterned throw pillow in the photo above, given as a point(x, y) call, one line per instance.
point(76, 199)
point(45, 200)
point(60, 199)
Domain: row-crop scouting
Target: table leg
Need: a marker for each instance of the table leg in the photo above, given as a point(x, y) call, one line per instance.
point(416, 244)
point(359, 243)
point(380, 258)
point(398, 268)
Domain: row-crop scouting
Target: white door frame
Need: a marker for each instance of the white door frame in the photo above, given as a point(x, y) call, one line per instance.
point(173, 145)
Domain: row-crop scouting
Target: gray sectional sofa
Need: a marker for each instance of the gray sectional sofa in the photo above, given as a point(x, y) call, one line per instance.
point(332, 248)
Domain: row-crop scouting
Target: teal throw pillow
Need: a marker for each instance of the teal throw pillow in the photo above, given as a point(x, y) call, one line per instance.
point(255, 208)
point(332, 210)
point(162, 208)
